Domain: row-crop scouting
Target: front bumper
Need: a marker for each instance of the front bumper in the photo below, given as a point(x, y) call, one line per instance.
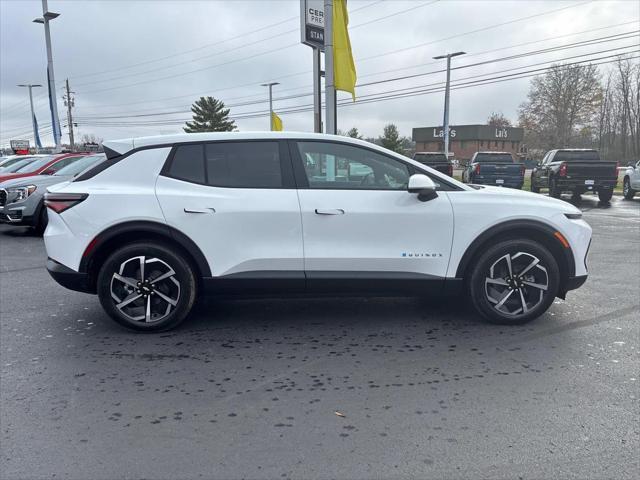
point(69, 278)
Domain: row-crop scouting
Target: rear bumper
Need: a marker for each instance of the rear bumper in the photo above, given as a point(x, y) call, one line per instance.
point(578, 184)
point(69, 278)
point(509, 182)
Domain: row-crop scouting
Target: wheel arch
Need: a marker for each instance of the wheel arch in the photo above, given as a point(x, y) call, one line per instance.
point(528, 229)
point(115, 236)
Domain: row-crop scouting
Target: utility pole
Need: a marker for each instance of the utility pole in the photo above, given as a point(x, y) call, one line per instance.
point(55, 121)
point(317, 91)
point(69, 103)
point(270, 85)
point(36, 140)
point(445, 126)
point(329, 79)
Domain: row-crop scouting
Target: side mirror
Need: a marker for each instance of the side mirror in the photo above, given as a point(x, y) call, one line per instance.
point(423, 186)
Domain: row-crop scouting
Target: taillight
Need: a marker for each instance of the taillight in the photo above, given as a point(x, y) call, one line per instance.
point(477, 169)
point(59, 202)
point(522, 170)
point(563, 170)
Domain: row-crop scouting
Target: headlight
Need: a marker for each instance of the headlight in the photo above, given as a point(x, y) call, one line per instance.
point(21, 193)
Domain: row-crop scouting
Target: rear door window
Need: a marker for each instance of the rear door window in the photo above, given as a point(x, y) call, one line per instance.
point(494, 158)
point(584, 156)
point(243, 164)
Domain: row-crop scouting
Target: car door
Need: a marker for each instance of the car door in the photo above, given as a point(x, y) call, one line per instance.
point(537, 174)
point(635, 177)
point(237, 201)
point(359, 221)
point(545, 169)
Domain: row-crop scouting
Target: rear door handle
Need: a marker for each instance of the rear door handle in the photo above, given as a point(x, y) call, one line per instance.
point(199, 210)
point(331, 211)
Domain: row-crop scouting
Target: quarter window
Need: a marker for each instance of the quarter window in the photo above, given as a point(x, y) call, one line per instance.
point(188, 164)
point(339, 166)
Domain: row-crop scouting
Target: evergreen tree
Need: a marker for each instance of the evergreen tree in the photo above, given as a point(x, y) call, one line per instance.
point(209, 115)
point(354, 133)
point(391, 139)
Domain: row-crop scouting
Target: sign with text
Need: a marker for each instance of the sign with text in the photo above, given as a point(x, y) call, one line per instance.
point(19, 147)
point(312, 23)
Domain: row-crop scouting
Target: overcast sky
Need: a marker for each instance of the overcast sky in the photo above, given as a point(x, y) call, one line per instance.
point(145, 57)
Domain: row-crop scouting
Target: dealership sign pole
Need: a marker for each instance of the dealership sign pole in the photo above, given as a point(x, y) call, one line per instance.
point(312, 34)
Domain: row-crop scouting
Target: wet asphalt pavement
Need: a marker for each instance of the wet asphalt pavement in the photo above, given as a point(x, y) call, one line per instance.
point(249, 389)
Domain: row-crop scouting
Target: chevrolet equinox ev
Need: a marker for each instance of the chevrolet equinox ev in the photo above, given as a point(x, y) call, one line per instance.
point(165, 219)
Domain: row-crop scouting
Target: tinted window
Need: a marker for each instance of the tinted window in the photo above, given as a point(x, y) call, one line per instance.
point(332, 165)
point(80, 165)
point(35, 165)
point(430, 159)
point(16, 164)
point(243, 164)
point(61, 164)
point(567, 156)
point(494, 158)
point(188, 164)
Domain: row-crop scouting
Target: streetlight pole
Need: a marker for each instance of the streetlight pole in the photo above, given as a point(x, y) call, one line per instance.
point(30, 86)
point(445, 126)
point(270, 85)
point(55, 121)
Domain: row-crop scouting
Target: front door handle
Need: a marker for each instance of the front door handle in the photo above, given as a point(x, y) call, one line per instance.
point(199, 210)
point(331, 211)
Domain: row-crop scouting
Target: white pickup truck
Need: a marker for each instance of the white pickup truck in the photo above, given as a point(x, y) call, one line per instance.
point(631, 181)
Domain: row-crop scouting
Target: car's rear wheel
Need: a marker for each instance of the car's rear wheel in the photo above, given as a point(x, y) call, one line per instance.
point(147, 287)
point(534, 187)
point(514, 282)
point(627, 191)
point(605, 195)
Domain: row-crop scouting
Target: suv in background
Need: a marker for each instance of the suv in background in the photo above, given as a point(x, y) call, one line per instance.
point(22, 199)
point(436, 160)
point(494, 168)
point(166, 218)
point(575, 170)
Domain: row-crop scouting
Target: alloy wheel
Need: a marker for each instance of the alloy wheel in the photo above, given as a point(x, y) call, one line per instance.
point(516, 283)
point(145, 289)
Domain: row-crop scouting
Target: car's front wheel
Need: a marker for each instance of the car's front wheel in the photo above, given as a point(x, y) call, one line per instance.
point(147, 287)
point(627, 191)
point(514, 282)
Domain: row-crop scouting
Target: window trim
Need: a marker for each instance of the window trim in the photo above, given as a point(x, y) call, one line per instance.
point(302, 181)
point(286, 170)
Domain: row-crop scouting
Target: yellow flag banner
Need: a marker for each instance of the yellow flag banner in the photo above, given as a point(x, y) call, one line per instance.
point(343, 66)
point(277, 122)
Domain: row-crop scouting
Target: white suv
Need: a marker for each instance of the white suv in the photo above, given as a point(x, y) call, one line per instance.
point(166, 218)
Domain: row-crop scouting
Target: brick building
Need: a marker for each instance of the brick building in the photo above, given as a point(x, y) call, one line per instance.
point(465, 140)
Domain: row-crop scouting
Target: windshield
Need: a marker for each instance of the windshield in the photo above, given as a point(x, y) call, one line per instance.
point(18, 165)
point(582, 156)
point(494, 158)
point(430, 158)
point(35, 165)
point(80, 165)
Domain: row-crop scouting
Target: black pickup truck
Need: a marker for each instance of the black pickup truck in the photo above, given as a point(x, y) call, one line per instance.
point(436, 160)
point(494, 168)
point(576, 171)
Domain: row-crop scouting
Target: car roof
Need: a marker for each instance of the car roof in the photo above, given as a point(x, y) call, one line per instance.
point(429, 153)
point(576, 150)
point(492, 152)
point(125, 145)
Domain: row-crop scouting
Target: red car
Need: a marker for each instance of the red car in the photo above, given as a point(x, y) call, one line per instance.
point(46, 165)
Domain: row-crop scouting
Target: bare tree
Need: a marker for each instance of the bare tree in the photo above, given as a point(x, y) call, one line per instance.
point(497, 119)
point(562, 106)
point(91, 139)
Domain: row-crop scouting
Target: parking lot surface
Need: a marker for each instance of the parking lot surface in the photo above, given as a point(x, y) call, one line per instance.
point(324, 388)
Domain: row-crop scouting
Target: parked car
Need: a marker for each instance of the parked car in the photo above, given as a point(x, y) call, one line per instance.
point(494, 168)
point(9, 160)
point(575, 170)
point(22, 199)
point(167, 218)
point(631, 181)
point(16, 163)
point(436, 160)
point(44, 165)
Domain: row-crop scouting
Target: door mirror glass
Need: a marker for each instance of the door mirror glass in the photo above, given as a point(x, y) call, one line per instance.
point(423, 186)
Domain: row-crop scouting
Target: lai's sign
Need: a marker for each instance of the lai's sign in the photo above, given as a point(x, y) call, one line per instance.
point(312, 23)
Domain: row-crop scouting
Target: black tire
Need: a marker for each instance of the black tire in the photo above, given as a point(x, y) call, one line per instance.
point(627, 191)
point(42, 222)
point(554, 191)
point(534, 188)
point(536, 300)
point(605, 195)
point(159, 260)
